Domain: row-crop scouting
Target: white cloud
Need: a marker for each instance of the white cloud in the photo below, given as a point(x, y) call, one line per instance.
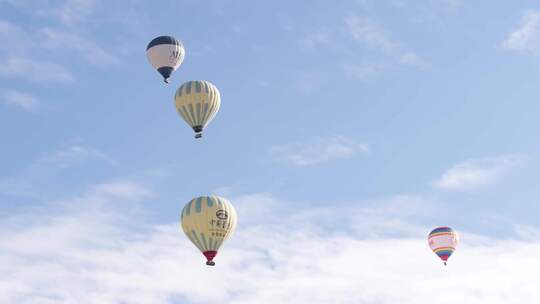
point(363, 71)
point(453, 3)
point(15, 40)
point(69, 12)
point(20, 99)
point(77, 15)
point(34, 70)
point(40, 55)
point(92, 53)
point(308, 82)
point(359, 34)
point(122, 190)
point(321, 37)
point(22, 56)
point(475, 173)
point(319, 150)
point(446, 6)
point(370, 34)
point(527, 37)
point(527, 232)
point(36, 177)
point(74, 154)
point(93, 255)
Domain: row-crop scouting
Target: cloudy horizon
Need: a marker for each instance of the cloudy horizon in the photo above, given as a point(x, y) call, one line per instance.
point(346, 133)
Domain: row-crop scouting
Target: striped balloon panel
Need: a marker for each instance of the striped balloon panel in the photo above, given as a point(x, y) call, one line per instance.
point(165, 51)
point(197, 102)
point(208, 221)
point(443, 241)
point(163, 40)
point(444, 253)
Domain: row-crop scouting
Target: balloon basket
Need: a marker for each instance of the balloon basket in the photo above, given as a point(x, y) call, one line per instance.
point(210, 255)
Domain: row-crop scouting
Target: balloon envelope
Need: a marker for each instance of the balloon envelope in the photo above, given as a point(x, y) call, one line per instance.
point(208, 221)
point(166, 54)
point(197, 102)
point(443, 241)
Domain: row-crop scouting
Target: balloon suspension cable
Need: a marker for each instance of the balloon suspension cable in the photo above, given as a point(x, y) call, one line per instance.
point(211, 263)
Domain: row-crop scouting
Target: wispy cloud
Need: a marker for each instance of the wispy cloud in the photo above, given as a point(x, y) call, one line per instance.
point(360, 31)
point(37, 176)
point(453, 3)
point(356, 34)
point(526, 38)
point(9, 33)
point(34, 70)
point(68, 12)
point(320, 37)
point(447, 4)
point(364, 71)
point(42, 54)
point(18, 57)
point(318, 150)
point(78, 15)
point(475, 173)
point(19, 99)
point(370, 34)
point(92, 254)
point(71, 11)
point(90, 51)
point(73, 154)
point(127, 190)
point(527, 232)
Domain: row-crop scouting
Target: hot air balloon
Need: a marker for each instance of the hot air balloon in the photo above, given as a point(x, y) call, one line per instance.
point(443, 241)
point(208, 221)
point(166, 54)
point(197, 102)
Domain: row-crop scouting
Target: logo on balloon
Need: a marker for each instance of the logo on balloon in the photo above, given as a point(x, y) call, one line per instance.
point(222, 214)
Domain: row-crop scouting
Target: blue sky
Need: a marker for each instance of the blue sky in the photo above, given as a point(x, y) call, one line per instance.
point(349, 129)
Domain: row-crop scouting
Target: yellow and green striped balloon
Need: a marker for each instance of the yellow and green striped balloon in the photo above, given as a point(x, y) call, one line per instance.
point(208, 221)
point(197, 102)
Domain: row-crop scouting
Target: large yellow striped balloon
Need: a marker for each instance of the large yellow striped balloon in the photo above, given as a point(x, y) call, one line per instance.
point(197, 102)
point(208, 221)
